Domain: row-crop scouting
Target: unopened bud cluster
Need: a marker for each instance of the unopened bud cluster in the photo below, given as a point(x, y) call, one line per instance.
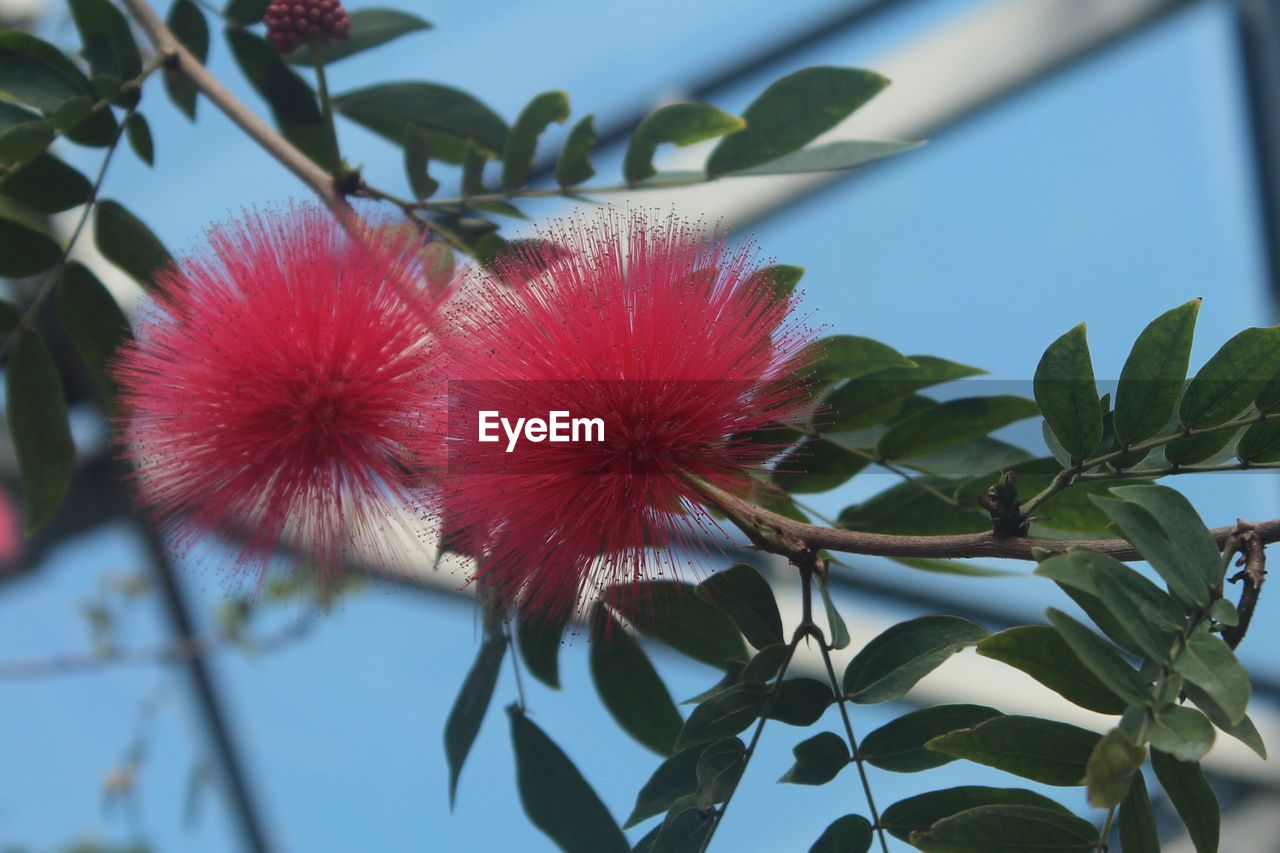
point(292, 23)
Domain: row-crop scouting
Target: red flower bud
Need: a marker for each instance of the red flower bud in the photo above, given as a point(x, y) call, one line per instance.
point(291, 23)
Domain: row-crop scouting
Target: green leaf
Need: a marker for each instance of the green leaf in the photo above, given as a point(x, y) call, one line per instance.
point(1152, 378)
point(835, 623)
point(1068, 395)
point(189, 26)
point(1198, 448)
point(900, 745)
point(764, 666)
point(556, 798)
point(139, 134)
point(744, 594)
point(124, 240)
point(1182, 525)
point(682, 124)
point(669, 611)
point(523, 139)
point(1027, 829)
point(780, 279)
point(849, 834)
point(918, 813)
point(25, 251)
point(800, 701)
point(732, 675)
point(907, 508)
point(369, 28)
point(539, 638)
point(951, 423)
point(1259, 444)
point(816, 465)
point(833, 156)
point(246, 12)
point(630, 687)
point(37, 415)
point(719, 769)
point(80, 120)
point(1183, 574)
point(723, 715)
point(1098, 657)
point(94, 321)
point(818, 760)
point(1208, 662)
point(1150, 617)
point(22, 143)
point(1243, 731)
point(675, 778)
point(469, 708)
point(1230, 380)
point(1074, 578)
point(1194, 800)
point(1041, 750)
point(455, 117)
point(108, 42)
point(36, 73)
point(293, 103)
point(573, 166)
point(888, 666)
point(1111, 768)
point(875, 397)
point(46, 185)
point(1138, 833)
point(1184, 733)
point(1040, 652)
point(685, 829)
point(416, 146)
point(791, 113)
point(850, 356)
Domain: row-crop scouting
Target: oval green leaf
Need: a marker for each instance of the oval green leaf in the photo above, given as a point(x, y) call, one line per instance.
point(743, 593)
point(951, 423)
point(25, 251)
point(818, 760)
point(37, 415)
point(469, 708)
point(918, 813)
point(1044, 751)
point(454, 116)
point(556, 798)
point(1068, 395)
point(792, 112)
point(128, 243)
point(900, 745)
point(669, 611)
point(1153, 374)
point(888, 666)
point(369, 28)
point(1230, 380)
point(1040, 652)
point(517, 156)
point(630, 687)
point(573, 166)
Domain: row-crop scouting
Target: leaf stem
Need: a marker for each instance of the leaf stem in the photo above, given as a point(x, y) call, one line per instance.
point(51, 277)
point(326, 108)
point(718, 814)
point(1074, 473)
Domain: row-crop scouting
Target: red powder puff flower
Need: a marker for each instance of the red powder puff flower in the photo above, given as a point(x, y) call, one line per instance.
point(284, 388)
point(673, 342)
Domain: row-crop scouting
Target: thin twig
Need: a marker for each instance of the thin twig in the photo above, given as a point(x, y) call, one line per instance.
point(178, 651)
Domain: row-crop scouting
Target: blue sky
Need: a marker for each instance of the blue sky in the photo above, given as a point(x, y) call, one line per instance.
point(1107, 194)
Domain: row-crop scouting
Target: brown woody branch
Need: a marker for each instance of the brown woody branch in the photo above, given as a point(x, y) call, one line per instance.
point(182, 61)
point(1253, 557)
point(794, 539)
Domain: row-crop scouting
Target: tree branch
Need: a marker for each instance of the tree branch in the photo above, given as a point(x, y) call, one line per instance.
point(306, 170)
point(781, 535)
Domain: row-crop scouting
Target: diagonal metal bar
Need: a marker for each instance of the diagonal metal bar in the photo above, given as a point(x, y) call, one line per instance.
point(240, 796)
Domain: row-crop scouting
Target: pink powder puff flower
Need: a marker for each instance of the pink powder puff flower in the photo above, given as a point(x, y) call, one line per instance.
point(286, 388)
point(674, 342)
